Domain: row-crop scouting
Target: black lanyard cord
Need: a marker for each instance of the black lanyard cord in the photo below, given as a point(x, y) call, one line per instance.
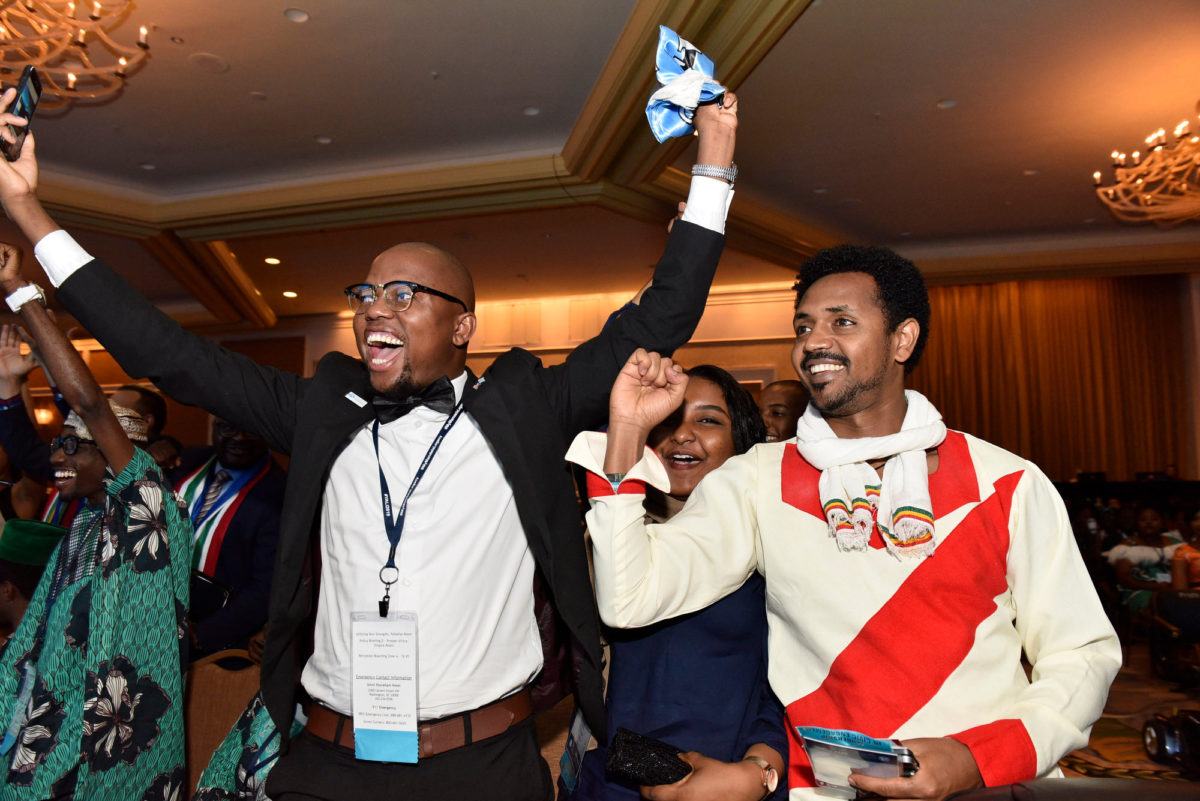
point(395, 527)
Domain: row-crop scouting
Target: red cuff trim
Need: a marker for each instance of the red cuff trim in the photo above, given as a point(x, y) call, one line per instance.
point(1003, 751)
point(601, 487)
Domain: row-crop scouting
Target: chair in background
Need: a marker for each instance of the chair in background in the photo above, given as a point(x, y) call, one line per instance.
point(216, 695)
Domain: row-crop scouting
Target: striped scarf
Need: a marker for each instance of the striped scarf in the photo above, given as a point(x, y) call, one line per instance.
point(58, 511)
point(210, 532)
point(854, 498)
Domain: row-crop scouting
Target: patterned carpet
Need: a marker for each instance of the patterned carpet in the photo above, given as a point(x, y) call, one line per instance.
point(1115, 750)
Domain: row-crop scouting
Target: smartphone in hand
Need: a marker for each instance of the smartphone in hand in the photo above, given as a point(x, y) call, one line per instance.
point(29, 90)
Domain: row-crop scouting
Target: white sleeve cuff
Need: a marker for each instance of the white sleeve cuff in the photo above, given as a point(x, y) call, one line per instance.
point(60, 256)
point(708, 203)
point(588, 450)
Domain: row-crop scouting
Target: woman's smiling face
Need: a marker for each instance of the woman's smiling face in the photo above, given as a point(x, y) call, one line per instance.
point(697, 438)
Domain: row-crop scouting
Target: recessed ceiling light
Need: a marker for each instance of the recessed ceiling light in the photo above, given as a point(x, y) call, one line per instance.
point(147, 166)
point(271, 260)
point(1031, 171)
point(290, 294)
point(947, 103)
point(821, 190)
point(906, 233)
point(1089, 220)
point(531, 111)
point(323, 140)
point(258, 95)
point(177, 40)
point(296, 15)
point(434, 74)
point(208, 62)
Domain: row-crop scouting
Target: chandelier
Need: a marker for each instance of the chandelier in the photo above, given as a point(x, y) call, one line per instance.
point(1161, 186)
point(69, 43)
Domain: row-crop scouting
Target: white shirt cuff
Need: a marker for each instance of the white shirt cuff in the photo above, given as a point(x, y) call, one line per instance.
point(60, 256)
point(708, 203)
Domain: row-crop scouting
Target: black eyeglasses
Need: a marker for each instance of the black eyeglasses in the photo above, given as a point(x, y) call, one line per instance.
point(398, 295)
point(69, 444)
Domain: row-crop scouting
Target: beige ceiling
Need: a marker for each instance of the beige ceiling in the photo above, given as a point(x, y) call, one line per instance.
point(428, 105)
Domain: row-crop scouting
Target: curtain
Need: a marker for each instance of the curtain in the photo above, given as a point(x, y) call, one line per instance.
point(1074, 375)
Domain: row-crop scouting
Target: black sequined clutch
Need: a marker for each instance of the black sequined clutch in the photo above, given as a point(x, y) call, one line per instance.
point(641, 760)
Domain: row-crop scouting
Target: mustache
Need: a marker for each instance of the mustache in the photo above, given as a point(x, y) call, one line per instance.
point(824, 355)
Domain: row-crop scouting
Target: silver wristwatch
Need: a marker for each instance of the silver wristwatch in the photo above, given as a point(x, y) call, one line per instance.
point(25, 294)
point(711, 171)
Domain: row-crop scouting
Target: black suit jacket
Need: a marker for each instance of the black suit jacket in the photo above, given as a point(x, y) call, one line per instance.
point(246, 561)
point(528, 412)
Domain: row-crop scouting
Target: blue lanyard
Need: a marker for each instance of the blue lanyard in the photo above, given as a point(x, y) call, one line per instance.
point(395, 527)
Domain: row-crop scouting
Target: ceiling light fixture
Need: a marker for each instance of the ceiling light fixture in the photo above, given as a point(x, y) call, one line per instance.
point(271, 260)
point(70, 45)
point(1161, 186)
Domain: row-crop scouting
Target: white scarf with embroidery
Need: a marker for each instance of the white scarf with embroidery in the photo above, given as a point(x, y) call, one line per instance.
point(854, 498)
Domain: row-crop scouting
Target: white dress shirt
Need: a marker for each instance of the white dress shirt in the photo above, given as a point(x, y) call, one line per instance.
point(465, 566)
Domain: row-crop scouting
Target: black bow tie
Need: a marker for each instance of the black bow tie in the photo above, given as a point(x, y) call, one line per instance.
point(438, 396)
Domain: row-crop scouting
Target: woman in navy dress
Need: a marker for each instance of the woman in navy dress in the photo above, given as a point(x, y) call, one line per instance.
point(697, 681)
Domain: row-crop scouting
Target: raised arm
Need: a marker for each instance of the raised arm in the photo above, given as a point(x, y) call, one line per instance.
point(77, 384)
point(18, 435)
point(670, 308)
point(649, 573)
point(143, 340)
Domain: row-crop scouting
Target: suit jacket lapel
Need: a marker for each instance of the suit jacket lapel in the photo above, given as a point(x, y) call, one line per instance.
point(487, 404)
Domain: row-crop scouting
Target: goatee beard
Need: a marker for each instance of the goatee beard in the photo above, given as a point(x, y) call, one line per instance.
point(402, 388)
point(836, 406)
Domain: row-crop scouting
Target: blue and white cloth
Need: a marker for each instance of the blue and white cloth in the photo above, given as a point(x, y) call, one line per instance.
point(687, 80)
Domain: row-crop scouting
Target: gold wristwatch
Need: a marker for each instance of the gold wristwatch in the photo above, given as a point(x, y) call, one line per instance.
point(770, 776)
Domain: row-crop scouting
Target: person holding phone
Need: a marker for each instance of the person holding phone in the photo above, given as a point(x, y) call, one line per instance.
point(908, 567)
point(92, 680)
point(24, 103)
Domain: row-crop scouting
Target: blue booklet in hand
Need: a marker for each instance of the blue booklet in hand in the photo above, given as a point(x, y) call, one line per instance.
point(836, 753)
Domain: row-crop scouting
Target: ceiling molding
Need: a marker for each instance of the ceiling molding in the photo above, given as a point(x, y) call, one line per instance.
point(616, 106)
point(1099, 262)
point(173, 253)
point(482, 186)
point(211, 273)
point(223, 271)
point(737, 36)
point(425, 206)
point(755, 228)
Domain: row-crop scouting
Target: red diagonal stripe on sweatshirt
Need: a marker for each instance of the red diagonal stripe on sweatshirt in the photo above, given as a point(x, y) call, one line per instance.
point(919, 636)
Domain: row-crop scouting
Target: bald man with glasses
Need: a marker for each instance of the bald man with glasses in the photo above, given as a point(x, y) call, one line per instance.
point(419, 495)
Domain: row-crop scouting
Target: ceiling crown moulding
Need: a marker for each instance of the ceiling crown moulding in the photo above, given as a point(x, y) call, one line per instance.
point(1084, 262)
point(610, 134)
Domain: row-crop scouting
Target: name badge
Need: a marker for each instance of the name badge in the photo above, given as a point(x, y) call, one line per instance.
point(578, 740)
point(384, 653)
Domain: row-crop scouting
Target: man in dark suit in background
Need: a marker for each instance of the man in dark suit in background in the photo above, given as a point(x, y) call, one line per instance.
point(234, 493)
point(490, 509)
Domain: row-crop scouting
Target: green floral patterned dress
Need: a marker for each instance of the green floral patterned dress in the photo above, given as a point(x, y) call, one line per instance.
point(101, 652)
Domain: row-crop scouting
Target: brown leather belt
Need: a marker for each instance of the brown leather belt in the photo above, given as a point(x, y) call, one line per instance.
point(434, 736)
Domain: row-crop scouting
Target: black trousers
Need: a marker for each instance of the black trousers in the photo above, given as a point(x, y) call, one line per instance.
point(507, 767)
